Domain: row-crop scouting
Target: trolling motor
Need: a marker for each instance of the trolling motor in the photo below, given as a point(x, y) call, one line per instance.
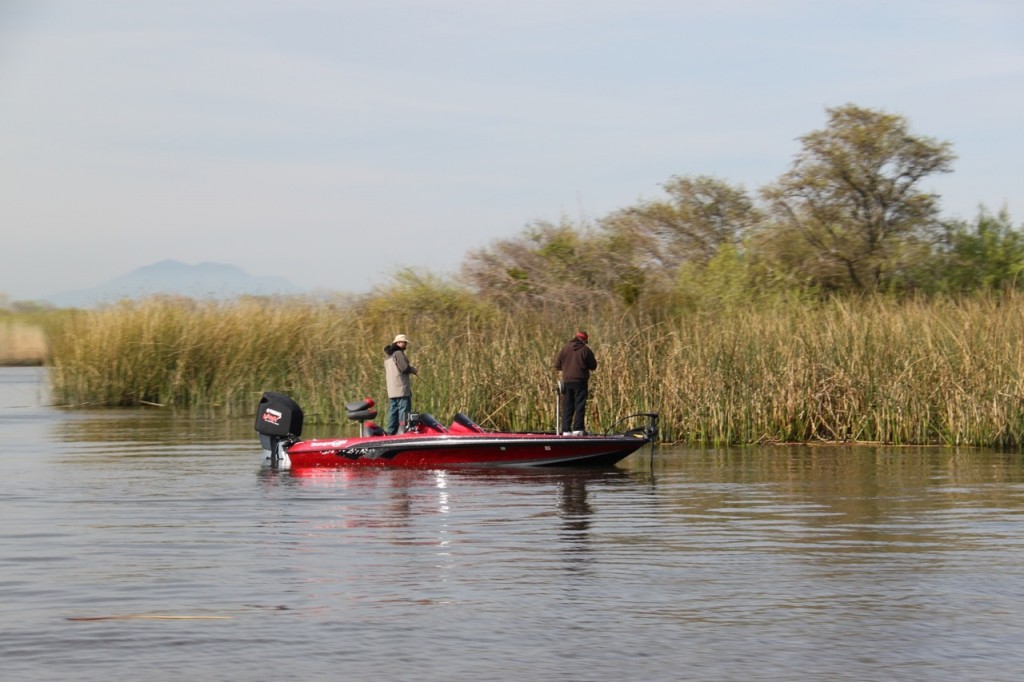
point(279, 423)
point(648, 431)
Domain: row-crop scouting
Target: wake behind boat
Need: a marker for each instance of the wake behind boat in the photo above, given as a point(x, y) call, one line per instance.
point(428, 444)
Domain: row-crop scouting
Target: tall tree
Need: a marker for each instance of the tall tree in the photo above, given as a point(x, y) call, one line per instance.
point(851, 208)
point(985, 255)
point(700, 215)
point(548, 264)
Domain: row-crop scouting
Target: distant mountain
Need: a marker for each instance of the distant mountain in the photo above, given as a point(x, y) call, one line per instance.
point(203, 281)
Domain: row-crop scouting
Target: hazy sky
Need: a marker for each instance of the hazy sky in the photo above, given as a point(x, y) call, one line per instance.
point(336, 141)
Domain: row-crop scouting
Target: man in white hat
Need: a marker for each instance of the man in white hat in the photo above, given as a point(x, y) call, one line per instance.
point(397, 371)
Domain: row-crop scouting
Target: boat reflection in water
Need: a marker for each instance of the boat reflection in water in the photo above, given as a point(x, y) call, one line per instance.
point(439, 505)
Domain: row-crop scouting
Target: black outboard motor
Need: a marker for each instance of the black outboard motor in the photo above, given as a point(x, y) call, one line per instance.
point(278, 420)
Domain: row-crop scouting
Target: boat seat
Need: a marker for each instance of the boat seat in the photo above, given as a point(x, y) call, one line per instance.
point(426, 423)
point(461, 422)
point(360, 410)
point(371, 429)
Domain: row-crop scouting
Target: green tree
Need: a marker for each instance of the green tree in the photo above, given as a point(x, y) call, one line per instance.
point(548, 264)
point(414, 295)
point(987, 254)
point(850, 214)
point(653, 240)
point(700, 215)
point(723, 282)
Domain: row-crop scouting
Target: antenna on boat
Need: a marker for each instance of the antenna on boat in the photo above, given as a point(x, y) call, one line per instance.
point(559, 390)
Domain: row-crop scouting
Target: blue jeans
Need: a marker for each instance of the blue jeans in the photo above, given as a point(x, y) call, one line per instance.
point(398, 413)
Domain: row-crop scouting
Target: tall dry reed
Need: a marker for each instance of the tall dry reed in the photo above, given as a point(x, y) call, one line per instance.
point(875, 370)
point(22, 343)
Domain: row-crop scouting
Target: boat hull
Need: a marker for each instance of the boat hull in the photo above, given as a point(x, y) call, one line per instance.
point(450, 450)
point(428, 444)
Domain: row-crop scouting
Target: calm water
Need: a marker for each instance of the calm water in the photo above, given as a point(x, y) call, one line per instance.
point(138, 545)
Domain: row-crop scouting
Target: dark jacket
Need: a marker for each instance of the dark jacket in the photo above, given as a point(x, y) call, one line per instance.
point(576, 361)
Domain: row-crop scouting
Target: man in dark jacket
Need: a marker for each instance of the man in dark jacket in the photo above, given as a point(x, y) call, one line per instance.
point(575, 361)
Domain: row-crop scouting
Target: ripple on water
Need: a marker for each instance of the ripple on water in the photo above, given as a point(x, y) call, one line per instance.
point(141, 541)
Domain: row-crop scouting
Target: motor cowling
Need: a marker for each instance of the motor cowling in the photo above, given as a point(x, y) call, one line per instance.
point(278, 421)
point(278, 415)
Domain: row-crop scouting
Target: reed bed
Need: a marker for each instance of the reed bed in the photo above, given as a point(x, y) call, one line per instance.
point(22, 344)
point(856, 371)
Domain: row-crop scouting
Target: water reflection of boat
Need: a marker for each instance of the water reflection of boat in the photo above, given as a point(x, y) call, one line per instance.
point(427, 444)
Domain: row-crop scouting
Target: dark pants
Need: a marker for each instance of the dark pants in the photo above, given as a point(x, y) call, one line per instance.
point(574, 405)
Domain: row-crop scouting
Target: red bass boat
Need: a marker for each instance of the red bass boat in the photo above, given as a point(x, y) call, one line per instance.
point(428, 444)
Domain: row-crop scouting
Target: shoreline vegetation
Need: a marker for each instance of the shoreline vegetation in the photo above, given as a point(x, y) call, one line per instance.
point(835, 304)
point(22, 344)
point(877, 370)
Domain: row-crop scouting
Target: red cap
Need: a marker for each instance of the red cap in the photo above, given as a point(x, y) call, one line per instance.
point(582, 336)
